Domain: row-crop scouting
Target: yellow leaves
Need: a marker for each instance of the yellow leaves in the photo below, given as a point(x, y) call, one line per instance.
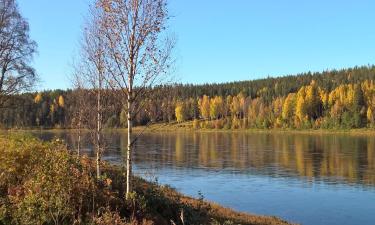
point(204, 106)
point(370, 115)
point(61, 101)
point(288, 106)
point(324, 98)
point(368, 88)
point(301, 106)
point(180, 112)
point(301, 109)
point(52, 108)
point(309, 103)
point(216, 107)
point(235, 106)
point(331, 98)
point(277, 105)
point(38, 98)
point(351, 96)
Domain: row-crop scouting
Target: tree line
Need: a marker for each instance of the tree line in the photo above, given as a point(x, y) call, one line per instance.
point(333, 99)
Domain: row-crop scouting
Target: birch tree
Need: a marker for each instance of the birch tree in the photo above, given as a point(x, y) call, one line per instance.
point(138, 55)
point(16, 51)
point(93, 72)
point(79, 106)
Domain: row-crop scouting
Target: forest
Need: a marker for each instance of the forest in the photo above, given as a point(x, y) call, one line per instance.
point(335, 99)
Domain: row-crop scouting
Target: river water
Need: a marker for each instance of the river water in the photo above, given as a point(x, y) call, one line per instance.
point(304, 178)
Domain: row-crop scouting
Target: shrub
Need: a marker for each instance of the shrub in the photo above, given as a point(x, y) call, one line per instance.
point(42, 183)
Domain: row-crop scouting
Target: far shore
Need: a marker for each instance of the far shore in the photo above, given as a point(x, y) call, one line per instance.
point(187, 127)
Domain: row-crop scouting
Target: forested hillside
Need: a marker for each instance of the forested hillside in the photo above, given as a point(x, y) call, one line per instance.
point(331, 99)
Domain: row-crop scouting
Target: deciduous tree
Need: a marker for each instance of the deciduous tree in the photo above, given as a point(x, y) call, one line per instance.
point(16, 51)
point(204, 107)
point(216, 107)
point(138, 54)
point(181, 112)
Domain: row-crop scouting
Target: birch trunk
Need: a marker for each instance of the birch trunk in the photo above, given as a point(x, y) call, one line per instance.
point(129, 150)
point(79, 139)
point(99, 127)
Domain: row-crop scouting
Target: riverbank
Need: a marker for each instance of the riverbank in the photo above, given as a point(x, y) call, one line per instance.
point(188, 127)
point(43, 183)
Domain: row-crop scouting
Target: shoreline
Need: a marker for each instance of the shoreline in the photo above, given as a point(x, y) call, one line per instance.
point(184, 128)
point(155, 203)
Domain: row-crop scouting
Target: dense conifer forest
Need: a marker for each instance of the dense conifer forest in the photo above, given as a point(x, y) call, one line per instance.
point(337, 99)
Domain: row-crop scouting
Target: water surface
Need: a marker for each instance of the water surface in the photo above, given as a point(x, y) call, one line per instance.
point(305, 178)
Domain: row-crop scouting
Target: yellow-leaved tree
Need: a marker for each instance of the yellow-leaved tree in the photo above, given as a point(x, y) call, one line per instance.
point(216, 107)
point(180, 112)
point(301, 105)
point(289, 108)
point(38, 98)
point(309, 103)
point(235, 106)
point(370, 116)
point(61, 101)
point(204, 107)
point(313, 101)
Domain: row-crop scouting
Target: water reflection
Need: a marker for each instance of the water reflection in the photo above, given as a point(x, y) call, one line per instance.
point(309, 179)
point(328, 158)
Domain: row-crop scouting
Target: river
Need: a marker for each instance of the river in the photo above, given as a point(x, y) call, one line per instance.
point(304, 178)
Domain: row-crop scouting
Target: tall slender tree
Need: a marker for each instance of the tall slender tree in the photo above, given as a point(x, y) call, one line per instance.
point(138, 55)
point(93, 72)
point(79, 105)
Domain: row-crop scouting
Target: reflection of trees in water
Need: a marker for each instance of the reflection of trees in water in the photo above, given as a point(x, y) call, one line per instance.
point(369, 173)
point(329, 157)
point(323, 157)
point(332, 158)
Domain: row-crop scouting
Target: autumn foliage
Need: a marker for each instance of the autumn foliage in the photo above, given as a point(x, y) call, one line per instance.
point(44, 183)
point(346, 106)
point(330, 100)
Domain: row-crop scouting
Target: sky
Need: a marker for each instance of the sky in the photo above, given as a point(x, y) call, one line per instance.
point(222, 41)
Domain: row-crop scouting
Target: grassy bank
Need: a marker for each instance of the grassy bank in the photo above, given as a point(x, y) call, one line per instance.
point(188, 126)
point(43, 183)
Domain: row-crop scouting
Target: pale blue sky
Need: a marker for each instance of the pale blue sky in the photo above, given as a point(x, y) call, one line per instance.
point(221, 40)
